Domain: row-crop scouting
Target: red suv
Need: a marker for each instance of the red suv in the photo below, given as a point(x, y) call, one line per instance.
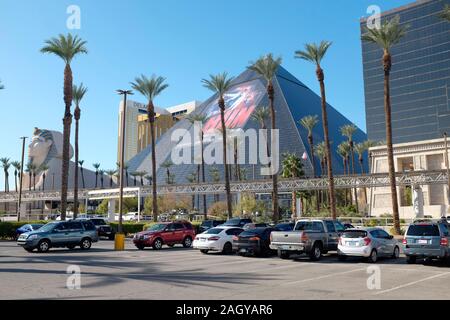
point(169, 233)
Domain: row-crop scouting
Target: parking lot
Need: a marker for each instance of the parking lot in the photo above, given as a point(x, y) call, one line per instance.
point(178, 273)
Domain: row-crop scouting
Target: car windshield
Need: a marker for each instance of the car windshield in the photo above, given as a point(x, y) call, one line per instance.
point(48, 227)
point(430, 230)
point(232, 222)
point(214, 231)
point(98, 222)
point(157, 227)
point(352, 234)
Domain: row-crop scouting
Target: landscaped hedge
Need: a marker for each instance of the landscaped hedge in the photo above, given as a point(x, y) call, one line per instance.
point(8, 228)
point(128, 227)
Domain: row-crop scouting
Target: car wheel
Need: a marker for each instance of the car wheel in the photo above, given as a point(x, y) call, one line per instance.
point(396, 253)
point(411, 259)
point(204, 251)
point(71, 247)
point(283, 254)
point(316, 252)
point(342, 257)
point(373, 256)
point(43, 246)
point(85, 244)
point(157, 244)
point(227, 248)
point(140, 247)
point(187, 242)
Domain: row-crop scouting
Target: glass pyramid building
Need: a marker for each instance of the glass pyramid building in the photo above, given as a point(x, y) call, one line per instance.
point(293, 101)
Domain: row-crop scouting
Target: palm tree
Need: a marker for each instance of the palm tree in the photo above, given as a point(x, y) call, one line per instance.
point(43, 168)
point(315, 53)
point(321, 152)
point(261, 115)
point(267, 67)
point(96, 166)
point(6, 165)
point(309, 122)
point(215, 177)
point(360, 148)
point(141, 175)
point(348, 131)
point(149, 179)
point(111, 174)
point(101, 173)
point(125, 168)
point(17, 166)
point(220, 84)
point(292, 167)
point(1, 85)
point(151, 88)
point(386, 36)
point(369, 144)
point(78, 93)
point(191, 178)
point(81, 162)
point(201, 118)
point(167, 164)
point(66, 48)
point(344, 151)
point(445, 14)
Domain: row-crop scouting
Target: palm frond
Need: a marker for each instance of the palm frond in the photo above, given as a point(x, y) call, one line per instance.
point(266, 66)
point(219, 83)
point(445, 14)
point(1, 85)
point(261, 115)
point(149, 87)
point(389, 33)
point(78, 93)
point(65, 47)
point(309, 122)
point(314, 52)
point(348, 130)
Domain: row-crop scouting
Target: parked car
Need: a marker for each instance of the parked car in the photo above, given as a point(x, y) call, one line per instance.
point(236, 222)
point(60, 234)
point(103, 227)
point(255, 225)
point(254, 241)
point(429, 240)
point(348, 226)
point(208, 224)
point(216, 239)
point(285, 226)
point(27, 228)
point(169, 233)
point(312, 237)
point(370, 243)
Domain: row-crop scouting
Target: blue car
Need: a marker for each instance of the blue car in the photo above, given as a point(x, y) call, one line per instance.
point(27, 228)
point(67, 234)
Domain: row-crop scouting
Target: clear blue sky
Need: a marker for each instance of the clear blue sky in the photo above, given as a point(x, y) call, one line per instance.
point(179, 39)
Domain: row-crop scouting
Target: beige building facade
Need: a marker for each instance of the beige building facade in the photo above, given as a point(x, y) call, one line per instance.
point(414, 201)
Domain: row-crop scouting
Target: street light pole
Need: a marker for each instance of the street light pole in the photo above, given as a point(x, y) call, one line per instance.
point(21, 178)
point(447, 166)
point(122, 154)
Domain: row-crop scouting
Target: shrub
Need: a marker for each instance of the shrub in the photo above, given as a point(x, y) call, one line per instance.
point(392, 231)
point(128, 227)
point(8, 228)
point(218, 209)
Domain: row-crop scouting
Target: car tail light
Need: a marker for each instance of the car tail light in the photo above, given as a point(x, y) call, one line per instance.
point(367, 241)
point(405, 241)
point(235, 238)
point(254, 239)
point(196, 238)
point(304, 237)
point(340, 240)
point(444, 242)
point(270, 237)
point(214, 238)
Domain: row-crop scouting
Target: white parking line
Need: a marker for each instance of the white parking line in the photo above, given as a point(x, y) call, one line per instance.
point(321, 277)
point(413, 283)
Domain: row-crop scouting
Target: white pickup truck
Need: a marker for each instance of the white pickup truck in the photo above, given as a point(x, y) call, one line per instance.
point(312, 237)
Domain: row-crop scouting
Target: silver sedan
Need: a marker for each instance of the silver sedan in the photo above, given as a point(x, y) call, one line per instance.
point(369, 243)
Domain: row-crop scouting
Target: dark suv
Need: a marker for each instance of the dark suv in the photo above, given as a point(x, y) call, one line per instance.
point(428, 240)
point(103, 228)
point(208, 224)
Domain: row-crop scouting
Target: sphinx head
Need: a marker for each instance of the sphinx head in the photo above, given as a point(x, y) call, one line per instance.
point(44, 146)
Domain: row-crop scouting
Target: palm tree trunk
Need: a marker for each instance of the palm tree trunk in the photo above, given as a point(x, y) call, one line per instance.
point(344, 162)
point(67, 121)
point(205, 209)
point(320, 77)
point(313, 162)
point(43, 201)
point(224, 147)
point(75, 188)
point(82, 177)
point(151, 118)
point(390, 151)
point(15, 180)
point(353, 172)
point(96, 178)
point(271, 94)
